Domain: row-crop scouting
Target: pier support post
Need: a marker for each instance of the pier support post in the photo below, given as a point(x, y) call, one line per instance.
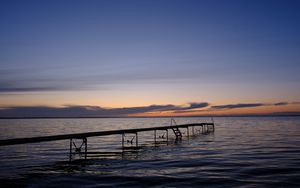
point(122, 141)
point(187, 132)
point(154, 137)
point(213, 124)
point(78, 149)
point(167, 136)
point(136, 139)
point(70, 154)
point(85, 148)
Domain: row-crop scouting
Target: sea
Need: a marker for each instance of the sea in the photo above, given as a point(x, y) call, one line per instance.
point(241, 152)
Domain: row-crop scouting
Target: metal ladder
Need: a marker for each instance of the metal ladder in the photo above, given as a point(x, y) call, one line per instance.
point(176, 130)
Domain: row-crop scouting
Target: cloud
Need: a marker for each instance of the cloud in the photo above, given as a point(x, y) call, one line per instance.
point(295, 102)
point(24, 85)
point(234, 106)
point(281, 104)
point(27, 89)
point(90, 111)
point(246, 105)
point(97, 111)
point(286, 113)
point(196, 105)
point(82, 78)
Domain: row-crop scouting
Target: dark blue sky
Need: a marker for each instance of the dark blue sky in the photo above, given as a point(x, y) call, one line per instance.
point(156, 51)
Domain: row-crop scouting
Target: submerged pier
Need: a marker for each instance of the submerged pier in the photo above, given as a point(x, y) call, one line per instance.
point(83, 146)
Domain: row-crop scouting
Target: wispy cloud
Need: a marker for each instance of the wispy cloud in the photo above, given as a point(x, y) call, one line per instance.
point(82, 78)
point(281, 104)
point(197, 105)
point(247, 105)
point(14, 88)
point(97, 111)
point(91, 111)
point(295, 103)
point(233, 106)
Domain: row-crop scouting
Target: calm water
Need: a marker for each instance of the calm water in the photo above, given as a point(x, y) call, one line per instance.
point(242, 152)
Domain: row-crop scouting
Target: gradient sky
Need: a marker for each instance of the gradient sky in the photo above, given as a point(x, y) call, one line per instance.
point(138, 53)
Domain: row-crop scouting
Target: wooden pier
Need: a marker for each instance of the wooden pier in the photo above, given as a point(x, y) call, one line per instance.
point(176, 129)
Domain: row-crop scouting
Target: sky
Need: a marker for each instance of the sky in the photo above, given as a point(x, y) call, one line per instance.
point(158, 57)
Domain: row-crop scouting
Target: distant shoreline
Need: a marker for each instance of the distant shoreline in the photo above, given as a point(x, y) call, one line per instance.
point(291, 115)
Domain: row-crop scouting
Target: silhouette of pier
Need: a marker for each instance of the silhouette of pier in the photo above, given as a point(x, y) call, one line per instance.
point(82, 149)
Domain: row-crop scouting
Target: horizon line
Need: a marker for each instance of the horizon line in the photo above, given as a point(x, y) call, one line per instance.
point(95, 117)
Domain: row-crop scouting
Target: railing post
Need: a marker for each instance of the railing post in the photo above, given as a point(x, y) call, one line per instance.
point(122, 141)
point(154, 137)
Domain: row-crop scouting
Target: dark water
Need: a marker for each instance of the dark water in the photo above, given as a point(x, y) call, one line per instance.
point(242, 152)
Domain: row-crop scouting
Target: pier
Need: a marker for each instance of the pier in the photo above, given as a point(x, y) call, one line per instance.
point(82, 148)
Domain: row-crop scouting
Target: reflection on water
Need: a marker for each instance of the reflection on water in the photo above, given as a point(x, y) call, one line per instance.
point(245, 151)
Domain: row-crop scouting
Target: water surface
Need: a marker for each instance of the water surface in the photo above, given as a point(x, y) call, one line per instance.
point(242, 152)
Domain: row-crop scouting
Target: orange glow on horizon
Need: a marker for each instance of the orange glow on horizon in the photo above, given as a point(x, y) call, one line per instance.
point(129, 99)
point(262, 110)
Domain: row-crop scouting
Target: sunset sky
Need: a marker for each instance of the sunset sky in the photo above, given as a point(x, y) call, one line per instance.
point(158, 57)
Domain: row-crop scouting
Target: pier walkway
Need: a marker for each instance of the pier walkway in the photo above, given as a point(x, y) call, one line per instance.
point(205, 128)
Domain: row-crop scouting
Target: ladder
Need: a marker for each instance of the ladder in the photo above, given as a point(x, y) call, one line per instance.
point(176, 130)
